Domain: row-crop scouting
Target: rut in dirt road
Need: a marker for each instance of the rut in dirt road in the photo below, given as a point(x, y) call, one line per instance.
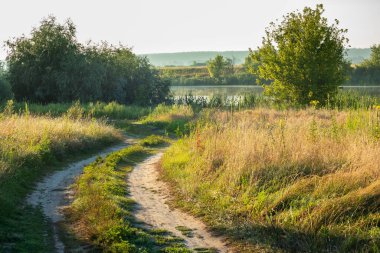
point(151, 195)
point(52, 194)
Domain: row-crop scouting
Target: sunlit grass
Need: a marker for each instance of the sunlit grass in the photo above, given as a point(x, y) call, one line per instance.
point(30, 147)
point(172, 118)
point(312, 176)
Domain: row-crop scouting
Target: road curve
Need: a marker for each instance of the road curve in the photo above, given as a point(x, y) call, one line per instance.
point(151, 194)
point(51, 194)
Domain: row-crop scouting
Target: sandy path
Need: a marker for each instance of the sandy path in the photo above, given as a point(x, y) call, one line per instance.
point(151, 195)
point(52, 193)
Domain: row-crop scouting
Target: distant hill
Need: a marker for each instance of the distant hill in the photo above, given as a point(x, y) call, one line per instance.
point(355, 55)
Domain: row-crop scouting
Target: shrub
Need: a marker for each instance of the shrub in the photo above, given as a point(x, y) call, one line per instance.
point(303, 57)
point(52, 66)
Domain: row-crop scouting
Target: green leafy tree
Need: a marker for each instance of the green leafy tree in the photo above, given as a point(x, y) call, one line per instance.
point(220, 67)
point(37, 65)
point(302, 57)
point(52, 66)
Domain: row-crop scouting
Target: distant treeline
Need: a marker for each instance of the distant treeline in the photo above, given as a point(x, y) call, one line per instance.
point(354, 55)
point(199, 75)
point(191, 76)
point(366, 73)
point(52, 66)
point(362, 75)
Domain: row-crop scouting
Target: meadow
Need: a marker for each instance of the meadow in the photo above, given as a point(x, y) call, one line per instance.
point(36, 140)
point(268, 176)
point(295, 168)
point(30, 147)
point(283, 180)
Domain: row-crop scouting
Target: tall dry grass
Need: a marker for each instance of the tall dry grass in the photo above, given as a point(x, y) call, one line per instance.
point(30, 147)
point(312, 176)
point(24, 138)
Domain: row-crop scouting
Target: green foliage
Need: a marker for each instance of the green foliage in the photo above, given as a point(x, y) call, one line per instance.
point(5, 88)
point(303, 56)
point(220, 67)
point(52, 66)
point(38, 65)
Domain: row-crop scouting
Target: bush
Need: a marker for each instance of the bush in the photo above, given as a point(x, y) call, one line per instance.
point(52, 66)
point(303, 57)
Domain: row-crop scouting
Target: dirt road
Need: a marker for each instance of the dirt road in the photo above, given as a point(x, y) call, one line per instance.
point(52, 193)
point(151, 195)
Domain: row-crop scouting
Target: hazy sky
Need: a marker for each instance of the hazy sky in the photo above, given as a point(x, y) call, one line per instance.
point(152, 26)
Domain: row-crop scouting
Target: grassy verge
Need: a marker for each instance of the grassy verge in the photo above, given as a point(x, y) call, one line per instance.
point(30, 147)
point(112, 110)
point(100, 214)
point(290, 180)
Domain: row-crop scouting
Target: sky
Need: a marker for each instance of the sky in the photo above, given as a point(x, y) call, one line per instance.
point(155, 26)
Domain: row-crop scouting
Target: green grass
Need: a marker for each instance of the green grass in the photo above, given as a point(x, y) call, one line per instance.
point(154, 141)
point(172, 118)
point(101, 211)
